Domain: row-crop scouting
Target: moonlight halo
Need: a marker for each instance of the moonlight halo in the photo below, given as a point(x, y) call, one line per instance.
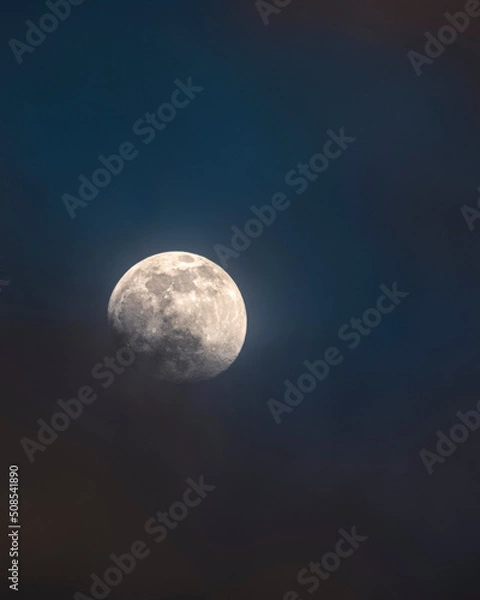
point(182, 315)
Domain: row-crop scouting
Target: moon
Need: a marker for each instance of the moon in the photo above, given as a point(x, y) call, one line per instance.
point(181, 314)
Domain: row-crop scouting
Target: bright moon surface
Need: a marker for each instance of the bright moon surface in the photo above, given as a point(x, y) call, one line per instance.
point(182, 315)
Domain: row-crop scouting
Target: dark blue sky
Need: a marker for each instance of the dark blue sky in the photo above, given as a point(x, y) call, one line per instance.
point(387, 210)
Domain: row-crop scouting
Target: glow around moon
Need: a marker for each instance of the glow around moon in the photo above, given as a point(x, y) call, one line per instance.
point(182, 315)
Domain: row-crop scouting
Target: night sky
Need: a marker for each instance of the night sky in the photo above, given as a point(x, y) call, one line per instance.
point(387, 210)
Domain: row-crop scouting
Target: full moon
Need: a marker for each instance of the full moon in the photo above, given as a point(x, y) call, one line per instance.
point(182, 315)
